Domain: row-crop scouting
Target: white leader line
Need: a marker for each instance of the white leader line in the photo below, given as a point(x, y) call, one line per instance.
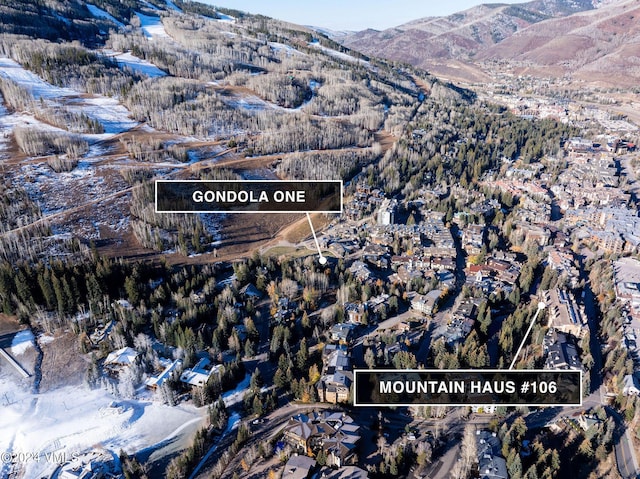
point(322, 259)
point(541, 306)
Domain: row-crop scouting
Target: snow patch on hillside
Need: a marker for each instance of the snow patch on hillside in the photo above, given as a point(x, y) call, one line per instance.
point(173, 6)
point(233, 397)
point(4, 134)
point(100, 13)
point(33, 83)
point(53, 190)
point(8, 121)
point(151, 26)
point(45, 339)
point(150, 5)
point(336, 54)
point(250, 103)
point(138, 65)
point(113, 116)
point(254, 103)
point(287, 49)
point(221, 16)
point(225, 18)
point(21, 342)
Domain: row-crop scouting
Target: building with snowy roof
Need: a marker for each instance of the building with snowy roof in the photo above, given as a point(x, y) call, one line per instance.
point(200, 373)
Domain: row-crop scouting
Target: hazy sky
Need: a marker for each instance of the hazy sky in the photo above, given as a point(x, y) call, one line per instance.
point(351, 14)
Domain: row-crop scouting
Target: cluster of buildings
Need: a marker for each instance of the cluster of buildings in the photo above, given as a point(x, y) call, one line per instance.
point(304, 467)
point(365, 201)
point(615, 229)
point(556, 107)
point(498, 272)
point(399, 337)
point(473, 239)
point(563, 312)
point(423, 251)
point(533, 197)
point(585, 191)
point(530, 107)
point(362, 313)
point(165, 369)
point(561, 259)
point(461, 320)
point(588, 181)
point(626, 276)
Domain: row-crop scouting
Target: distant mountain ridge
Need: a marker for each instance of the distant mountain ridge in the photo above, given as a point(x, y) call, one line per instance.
point(461, 35)
point(597, 45)
point(495, 31)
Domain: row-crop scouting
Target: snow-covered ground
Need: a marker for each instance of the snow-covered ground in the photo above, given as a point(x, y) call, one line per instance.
point(213, 225)
point(45, 339)
point(55, 191)
point(136, 64)
point(150, 5)
point(113, 116)
point(100, 13)
point(8, 121)
point(232, 424)
point(75, 419)
point(225, 18)
point(151, 26)
point(38, 88)
point(336, 54)
point(233, 397)
point(173, 6)
point(288, 49)
point(21, 342)
point(88, 181)
point(221, 16)
point(250, 102)
point(254, 103)
point(4, 128)
point(33, 83)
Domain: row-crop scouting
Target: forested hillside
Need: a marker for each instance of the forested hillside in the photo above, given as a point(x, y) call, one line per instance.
point(163, 88)
point(114, 94)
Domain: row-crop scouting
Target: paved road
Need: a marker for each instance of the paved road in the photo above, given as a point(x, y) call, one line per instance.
point(452, 426)
point(624, 450)
point(625, 457)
